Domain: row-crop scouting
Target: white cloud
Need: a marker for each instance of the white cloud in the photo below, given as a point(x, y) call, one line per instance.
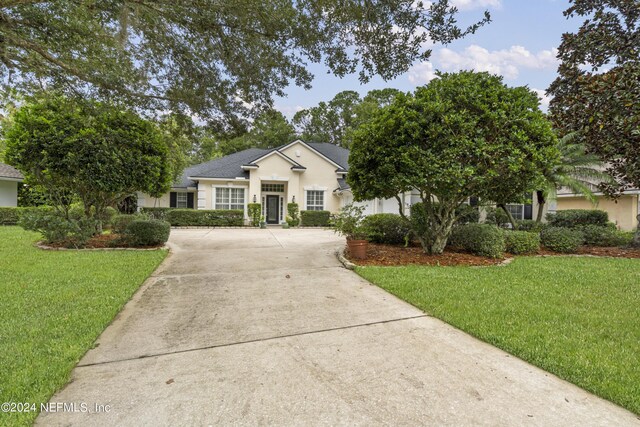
point(422, 73)
point(544, 99)
point(506, 62)
point(476, 4)
point(289, 110)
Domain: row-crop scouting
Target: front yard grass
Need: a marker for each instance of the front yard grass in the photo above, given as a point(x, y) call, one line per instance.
point(53, 306)
point(576, 317)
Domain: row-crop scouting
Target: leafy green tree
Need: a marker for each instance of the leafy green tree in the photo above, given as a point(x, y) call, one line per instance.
point(93, 151)
point(464, 134)
point(597, 91)
point(212, 57)
point(336, 120)
point(577, 170)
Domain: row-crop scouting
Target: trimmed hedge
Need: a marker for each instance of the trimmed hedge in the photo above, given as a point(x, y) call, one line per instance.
point(386, 228)
point(151, 232)
point(531, 225)
point(120, 222)
point(293, 214)
point(521, 242)
point(255, 213)
point(572, 218)
point(56, 228)
point(197, 217)
point(595, 235)
point(315, 218)
point(562, 239)
point(9, 216)
point(479, 239)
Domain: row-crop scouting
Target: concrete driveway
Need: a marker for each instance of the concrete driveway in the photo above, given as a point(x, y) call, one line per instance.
point(248, 327)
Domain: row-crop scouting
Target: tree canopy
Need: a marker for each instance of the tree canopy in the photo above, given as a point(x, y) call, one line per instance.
point(210, 57)
point(87, 150)
point(462, 135)
point(597, 92)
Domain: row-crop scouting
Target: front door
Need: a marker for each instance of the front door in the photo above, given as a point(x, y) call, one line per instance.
point(273, 209)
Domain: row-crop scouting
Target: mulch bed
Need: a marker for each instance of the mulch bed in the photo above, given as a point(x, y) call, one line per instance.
point(389, 255)
point(103, 241)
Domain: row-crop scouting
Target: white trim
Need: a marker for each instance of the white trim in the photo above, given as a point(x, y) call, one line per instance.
point(324, 197)
point(274, 177)
point(230, 185)
point(299, 141)
point(216, 178)
point(6, 178)
point(315, 187)
point(202, 199)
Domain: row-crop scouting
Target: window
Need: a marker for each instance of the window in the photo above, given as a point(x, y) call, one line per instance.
point(516, 210)
point(181, 200)
point(315, 200)
point(229, 198)
point(273, 188)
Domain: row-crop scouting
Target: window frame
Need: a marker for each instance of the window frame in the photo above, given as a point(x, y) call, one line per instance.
point(315, 205)
point(229, 201)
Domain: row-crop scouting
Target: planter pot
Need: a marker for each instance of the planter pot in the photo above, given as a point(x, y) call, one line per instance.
point(263, 225)
point(358, 248)
point(285, 225)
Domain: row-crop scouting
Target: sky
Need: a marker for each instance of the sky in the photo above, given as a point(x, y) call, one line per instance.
point(519, 44)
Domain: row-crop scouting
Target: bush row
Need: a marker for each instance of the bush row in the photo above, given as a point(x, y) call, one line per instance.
point(197, 217)
point(315, 218)
point(480, 239)
point(387, 228)
point(573, 218)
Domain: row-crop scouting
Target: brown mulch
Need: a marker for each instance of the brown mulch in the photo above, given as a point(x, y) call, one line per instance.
point(388, 255)
point(103, 241)
point(614, 252)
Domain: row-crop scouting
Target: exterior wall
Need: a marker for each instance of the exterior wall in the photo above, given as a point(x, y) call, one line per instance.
point(146, 201)
point(8, 193)
point(623, 213)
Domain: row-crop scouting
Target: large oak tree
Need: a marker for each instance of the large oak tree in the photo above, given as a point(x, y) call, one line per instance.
point(211, 57)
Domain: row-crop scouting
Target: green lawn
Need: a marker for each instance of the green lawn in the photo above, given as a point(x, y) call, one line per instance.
point(53, 306)
point(576, 317)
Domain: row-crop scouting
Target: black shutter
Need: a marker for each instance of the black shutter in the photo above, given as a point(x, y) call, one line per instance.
point(528, 211)
point(173, 199)
point(190, 200)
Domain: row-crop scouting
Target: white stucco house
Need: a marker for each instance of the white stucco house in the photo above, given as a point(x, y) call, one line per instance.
point(310, 174)
point(9, 179)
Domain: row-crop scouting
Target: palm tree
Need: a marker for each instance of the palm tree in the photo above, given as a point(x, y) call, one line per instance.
point(577, 170)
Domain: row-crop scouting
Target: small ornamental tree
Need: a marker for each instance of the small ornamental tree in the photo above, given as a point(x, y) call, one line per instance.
point(95, 152)
point(464, 134)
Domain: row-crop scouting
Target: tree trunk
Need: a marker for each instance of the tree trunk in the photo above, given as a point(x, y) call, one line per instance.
point(541, 203)
point(435, 239)
point(636, 238)
point(506, 211)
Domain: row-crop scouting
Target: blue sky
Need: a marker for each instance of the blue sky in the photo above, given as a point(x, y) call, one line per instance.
point(518, 44)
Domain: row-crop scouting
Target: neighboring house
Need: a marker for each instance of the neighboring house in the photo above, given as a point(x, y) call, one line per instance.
point(9, 179)
point(310, 174)
point(623, 211)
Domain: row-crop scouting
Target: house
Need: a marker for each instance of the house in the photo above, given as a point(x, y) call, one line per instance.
point(9, 179)
point(623, 211)
point(310, 174)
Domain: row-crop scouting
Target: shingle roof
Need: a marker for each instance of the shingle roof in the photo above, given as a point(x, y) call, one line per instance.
point(342, 184)
point(231, 166)
point(7, 171)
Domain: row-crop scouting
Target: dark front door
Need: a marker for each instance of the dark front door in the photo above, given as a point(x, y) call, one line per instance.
point(272, 209)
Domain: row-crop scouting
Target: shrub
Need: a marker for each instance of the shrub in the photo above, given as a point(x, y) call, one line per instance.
point(156, 213)
point(9, 216)
point(530, 225)
point(496, 216)
point(315, 218)
point(386, 228)
point(466, 214)
point(150, 232)
point(595, 235)
point(120, 222)
point(207, 218)
point(480, 239)
point(521, 242)
point(293, 215)
point(561, 239)
point(255, 211)
point(55, 228)
point(348, 222)
point(572, 218)
point(108, 216)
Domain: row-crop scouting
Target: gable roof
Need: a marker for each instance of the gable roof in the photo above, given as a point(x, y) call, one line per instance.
point(10, 172)
point(231, 166)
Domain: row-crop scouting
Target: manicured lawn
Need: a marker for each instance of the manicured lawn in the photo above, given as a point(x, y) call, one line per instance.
point(53, 305)
point(578, 318)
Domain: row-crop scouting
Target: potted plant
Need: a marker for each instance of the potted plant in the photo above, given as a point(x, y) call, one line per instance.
point(263, 224)
point(349, 224)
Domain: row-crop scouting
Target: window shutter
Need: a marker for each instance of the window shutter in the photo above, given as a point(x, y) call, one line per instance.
point(173, 199)
point(190, 200)
point(528, 211)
